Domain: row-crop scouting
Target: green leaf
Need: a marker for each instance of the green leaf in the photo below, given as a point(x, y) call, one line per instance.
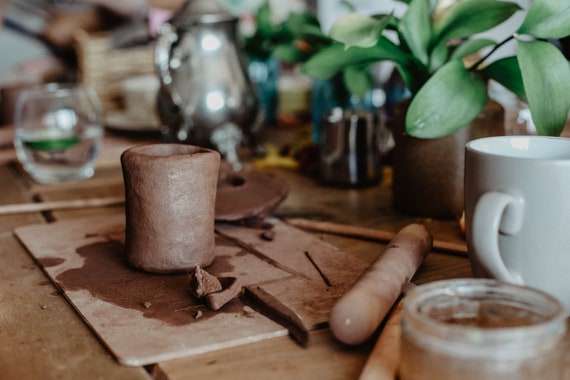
point(469, 17)
point(357, 80)
point(296, 22)
point(334, 58)
point(439, 56)
point(547, 19)
point(451, 99)
point(355, 29)
point(415, 27)
point(414, 74)
point(470, 47)
point(348, 5)
point(263, 20)
point(313, 32)
point(393, 21)
point(289, 53)
point(507, 72)
point(546, 78)
point(257, 47)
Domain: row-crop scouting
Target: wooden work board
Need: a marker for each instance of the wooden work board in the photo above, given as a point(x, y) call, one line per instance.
point(144, 318)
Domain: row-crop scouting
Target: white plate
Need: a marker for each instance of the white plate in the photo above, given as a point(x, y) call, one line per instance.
point(122, 121)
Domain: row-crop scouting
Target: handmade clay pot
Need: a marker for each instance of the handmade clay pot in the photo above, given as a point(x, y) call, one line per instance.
point(170, 195)
point(428, 173)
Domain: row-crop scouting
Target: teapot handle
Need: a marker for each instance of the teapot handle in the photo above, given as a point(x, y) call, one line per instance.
point(167, 36)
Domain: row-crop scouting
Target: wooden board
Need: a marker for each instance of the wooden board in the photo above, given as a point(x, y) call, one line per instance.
point(144, 318)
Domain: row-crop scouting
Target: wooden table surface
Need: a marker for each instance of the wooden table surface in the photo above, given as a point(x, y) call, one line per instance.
point(42, 336)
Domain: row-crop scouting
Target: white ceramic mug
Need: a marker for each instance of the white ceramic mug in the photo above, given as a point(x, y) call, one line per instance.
point(517, 211)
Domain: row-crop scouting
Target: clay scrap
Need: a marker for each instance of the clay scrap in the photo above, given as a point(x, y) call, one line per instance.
point(263, 302)
point(217, 291)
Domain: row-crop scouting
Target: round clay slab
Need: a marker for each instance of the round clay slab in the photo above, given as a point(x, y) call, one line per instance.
point(248, 194)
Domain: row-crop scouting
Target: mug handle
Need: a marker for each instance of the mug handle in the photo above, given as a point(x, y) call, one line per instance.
point(496, 213)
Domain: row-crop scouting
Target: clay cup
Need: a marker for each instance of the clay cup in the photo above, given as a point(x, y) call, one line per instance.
point(170, 195)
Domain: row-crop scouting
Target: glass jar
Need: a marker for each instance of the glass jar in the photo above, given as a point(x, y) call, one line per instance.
point(481, 329)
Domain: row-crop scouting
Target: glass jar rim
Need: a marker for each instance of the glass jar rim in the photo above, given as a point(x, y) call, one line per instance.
point(457, 340)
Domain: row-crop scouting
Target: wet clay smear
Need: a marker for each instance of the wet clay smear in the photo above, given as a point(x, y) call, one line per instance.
point(107, 276)
point(47, 262)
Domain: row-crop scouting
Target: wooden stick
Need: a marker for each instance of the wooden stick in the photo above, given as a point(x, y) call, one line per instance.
point(367, 233)
point(6, 136)
point(60, 205)
point(384, 360)
point(7, 155)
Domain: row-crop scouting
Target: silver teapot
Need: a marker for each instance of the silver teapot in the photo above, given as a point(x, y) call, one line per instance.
point(206, 97)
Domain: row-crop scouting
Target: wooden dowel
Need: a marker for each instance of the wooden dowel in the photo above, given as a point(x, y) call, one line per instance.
point(367, 233)
point(60, 205)
point(7, 155)
point(384, 360)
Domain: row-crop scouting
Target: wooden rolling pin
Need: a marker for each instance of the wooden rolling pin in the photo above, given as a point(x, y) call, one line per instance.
point(358, 314)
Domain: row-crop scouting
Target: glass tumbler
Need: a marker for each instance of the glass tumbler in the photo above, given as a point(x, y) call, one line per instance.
point(479, 329)
point(58, 132)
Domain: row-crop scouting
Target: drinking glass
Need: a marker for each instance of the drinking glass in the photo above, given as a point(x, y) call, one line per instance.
point(58, 132)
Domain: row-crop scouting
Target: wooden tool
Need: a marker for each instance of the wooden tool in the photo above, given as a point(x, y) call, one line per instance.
point(60, 205)
point(367, 233)
point(384, 360)
point(358, 313)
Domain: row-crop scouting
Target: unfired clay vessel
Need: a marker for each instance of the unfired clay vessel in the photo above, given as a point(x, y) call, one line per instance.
point(170, 195)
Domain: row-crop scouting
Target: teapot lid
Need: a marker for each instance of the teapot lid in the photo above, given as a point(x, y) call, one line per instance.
point(201, 11)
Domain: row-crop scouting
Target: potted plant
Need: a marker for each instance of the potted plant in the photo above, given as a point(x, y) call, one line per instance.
point(430, 46)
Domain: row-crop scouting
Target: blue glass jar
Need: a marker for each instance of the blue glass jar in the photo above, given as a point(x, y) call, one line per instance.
point(264, 74)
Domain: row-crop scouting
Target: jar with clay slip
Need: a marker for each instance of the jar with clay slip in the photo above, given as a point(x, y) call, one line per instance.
point(478, 329)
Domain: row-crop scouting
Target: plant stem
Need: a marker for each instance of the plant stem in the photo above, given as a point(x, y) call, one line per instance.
point(476, 64)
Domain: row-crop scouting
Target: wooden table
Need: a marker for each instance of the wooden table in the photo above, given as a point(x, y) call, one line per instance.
point(42, 336)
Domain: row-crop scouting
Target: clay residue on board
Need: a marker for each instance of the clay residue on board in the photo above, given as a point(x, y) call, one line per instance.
point(108, 277)
point(47, 262)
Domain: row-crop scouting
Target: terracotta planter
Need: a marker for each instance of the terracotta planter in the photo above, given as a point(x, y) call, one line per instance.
point(170, 195)
point(428, 173)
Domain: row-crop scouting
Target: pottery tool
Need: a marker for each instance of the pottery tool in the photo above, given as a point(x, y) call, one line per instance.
point(383, 362)
point(367, 233)
point(7, 152)
point(358, 313)
point(21, 208)
point(7, 155)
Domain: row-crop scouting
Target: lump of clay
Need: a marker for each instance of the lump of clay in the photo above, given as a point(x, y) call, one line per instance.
point(203, 283)
point(231, 290)
point(217, 291)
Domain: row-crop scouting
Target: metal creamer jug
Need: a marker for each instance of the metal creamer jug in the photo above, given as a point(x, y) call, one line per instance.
point(206, 97)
